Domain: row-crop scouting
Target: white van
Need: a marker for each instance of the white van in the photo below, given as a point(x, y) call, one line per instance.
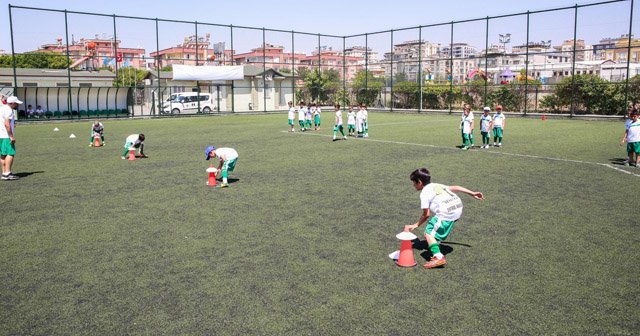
point(187, 102)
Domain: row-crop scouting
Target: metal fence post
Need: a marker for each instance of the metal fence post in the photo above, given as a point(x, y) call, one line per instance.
point(626, 81)
point(573, 60)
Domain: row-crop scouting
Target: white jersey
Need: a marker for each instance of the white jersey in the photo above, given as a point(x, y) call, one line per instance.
point(292, 113)
point(309, 113)
point(466, 125)
point(633, 131)
point(317, 111)
point(6, 113)
point(485, 122)
point(97, 129)
point(133, 139)
point(365, 115)
point(226, 153)
point(498, 120)
point(351, 118)
point(338, 118)
point(301, 113)
point(442, 202)
point(359, 121)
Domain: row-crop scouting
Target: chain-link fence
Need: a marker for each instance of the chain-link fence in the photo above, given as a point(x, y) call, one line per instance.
point(581, 59)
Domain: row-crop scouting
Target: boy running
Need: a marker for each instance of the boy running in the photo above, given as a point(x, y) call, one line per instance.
point(338, 126)
point(498, 126)
point(485, 127)
point(445, 208)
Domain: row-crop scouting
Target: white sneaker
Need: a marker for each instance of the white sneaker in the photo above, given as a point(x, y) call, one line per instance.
point(500, 144)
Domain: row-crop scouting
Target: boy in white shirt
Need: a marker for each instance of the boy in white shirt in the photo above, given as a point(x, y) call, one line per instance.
point(228, 158)
point(308, 119)
point(351, 121)
point(466, 127)
point(302, 111)
point(316, 118)
point(338, 126)
point(291, 116)
point(365, 120)
point(485, 127)
point(137, 142)
point(498, 126)
point(444, 207)
point(632, 138)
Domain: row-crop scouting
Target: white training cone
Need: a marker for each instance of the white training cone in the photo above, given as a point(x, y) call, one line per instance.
point(72, 136)
point(55, 129)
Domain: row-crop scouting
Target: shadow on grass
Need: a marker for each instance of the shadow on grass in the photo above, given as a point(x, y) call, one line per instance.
point(422, 245)
point(230, 180)
point(25, 174)
point(618, 161)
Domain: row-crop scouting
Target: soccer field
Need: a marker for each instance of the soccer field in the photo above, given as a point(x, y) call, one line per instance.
point(94, 245)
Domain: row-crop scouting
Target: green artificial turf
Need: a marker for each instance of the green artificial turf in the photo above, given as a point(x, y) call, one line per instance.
point(94, 245)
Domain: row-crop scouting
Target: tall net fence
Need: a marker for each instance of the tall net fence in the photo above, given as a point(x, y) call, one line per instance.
point(575, 60)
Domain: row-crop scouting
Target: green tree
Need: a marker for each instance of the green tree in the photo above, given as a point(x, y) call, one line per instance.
point(366, 87)
point(438, 96)
point(406, 94)
point(167, 68)
point(37, 60)
point(316, 84)
point(343, 97)
point(130, 76)
point(590, 94)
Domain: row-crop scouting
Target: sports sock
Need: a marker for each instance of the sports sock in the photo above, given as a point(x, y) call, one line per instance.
point(435, 249)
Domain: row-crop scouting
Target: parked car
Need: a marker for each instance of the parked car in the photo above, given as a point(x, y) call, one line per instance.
point(188, 102)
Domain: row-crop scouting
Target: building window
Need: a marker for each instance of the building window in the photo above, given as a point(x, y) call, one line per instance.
point(62, 84)
point(85, 84)
point(29, 84)
point(6, 84)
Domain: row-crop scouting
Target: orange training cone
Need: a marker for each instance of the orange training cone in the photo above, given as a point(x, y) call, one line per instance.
point(406, 259)
point(212, 176)
point(132, 153)
point(96, 141)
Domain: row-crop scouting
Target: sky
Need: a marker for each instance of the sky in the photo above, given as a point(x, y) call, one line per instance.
point(32, 28)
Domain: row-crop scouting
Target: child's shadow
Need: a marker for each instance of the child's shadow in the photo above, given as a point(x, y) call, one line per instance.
point(618, 161)
point(445, 248)
point(229, 180)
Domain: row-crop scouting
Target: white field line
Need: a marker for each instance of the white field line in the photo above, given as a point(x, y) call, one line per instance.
point(488, 152)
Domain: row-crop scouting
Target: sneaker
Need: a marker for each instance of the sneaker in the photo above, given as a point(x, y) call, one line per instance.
point(224, 185)
point(435, 262)
point(9, 177)
point(465, 148)
point(500, 144)
point(494, 144)
point(90, 145)
point(344, 138)
point(122, 157)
